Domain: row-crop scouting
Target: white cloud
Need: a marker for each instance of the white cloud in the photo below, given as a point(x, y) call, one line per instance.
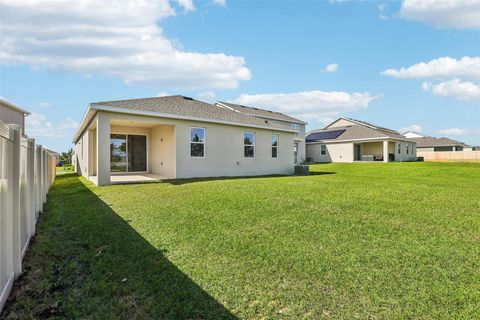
point(114, 38)
point(221, 3)
point(187, 5)
point(459, 132)
point(439, 68)
point(309, 105)
point(163, 94)
point(43, 105)
point(333, 67)
point(207, 96)
point(457, 14)
point(37, 125)
point(462, 90)
point(413, 128)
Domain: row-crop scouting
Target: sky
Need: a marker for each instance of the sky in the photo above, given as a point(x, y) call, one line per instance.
point(406, 65)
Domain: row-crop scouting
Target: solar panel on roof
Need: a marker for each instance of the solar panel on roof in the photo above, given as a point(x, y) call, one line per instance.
point(324, 135)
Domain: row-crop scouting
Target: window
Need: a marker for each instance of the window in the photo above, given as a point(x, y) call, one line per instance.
point(399, 148)
point(408, 145)
point(323, 149)
point(197, 142)
point(249, 145)
point(128, 153)
point(295, 126)
point(275, 146)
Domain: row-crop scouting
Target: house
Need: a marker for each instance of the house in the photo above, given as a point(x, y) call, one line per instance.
point(433, 144)
point(349, 140)
point(177, 137)
point(277, 117)
point(12, 114)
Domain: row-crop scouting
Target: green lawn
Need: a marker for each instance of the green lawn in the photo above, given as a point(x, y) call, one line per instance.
point(68, 168)
point(381, 241)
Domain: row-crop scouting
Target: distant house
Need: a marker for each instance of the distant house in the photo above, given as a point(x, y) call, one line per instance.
point(433, 144)
point(276, 117)
point(349, 140)
point(12, 114)
point(178, 137)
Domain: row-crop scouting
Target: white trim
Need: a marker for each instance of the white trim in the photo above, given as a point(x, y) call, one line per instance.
point(204, 142)
point(249, 145)
point(297, 121)
point(277, 146)
point(15, 107)
point(184, 117)
point(325, 149)
point(364, 139)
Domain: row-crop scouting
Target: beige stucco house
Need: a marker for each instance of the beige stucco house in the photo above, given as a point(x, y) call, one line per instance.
point(432, 144)
point(12, 114)
point(276, 117)
point(349, 140)
point(177, 137)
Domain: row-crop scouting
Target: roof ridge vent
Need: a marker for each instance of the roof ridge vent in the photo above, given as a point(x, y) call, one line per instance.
point(187, 98)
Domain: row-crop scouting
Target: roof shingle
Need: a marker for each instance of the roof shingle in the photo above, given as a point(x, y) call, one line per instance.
point(185, 106)
point(262, 113)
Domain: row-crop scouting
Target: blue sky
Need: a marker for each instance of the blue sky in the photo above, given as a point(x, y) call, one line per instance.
point(56, 57)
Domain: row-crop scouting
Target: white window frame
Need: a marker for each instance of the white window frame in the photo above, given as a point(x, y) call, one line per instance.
point(399, 148)
point(204, 142)
point(131, 133)
point(408, 147)
point(276, 147)
point(249, 145)
point(325, 149)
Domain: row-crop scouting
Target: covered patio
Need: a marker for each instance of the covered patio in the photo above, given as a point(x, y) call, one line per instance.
point(129, 151)
point(383, 151)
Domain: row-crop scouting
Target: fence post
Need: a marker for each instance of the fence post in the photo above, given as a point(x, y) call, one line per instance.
point(31, 185)
point(17, 248)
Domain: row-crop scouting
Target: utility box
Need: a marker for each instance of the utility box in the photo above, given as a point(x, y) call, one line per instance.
point(301, 170)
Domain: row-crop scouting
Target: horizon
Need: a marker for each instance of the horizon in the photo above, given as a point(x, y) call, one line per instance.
point(405, 65)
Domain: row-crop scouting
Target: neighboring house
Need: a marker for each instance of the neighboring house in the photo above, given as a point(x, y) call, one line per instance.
point(349, 140)
point(432, 144)
point(276, 117)
point(178, 137)
point(12, 114)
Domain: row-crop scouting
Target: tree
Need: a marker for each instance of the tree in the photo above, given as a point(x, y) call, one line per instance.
point(66, 157)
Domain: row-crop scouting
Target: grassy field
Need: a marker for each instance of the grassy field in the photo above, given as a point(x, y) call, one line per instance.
point(381, 241)
point(68, 168)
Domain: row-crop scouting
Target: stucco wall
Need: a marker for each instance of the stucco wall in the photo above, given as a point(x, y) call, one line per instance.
point(403, 156)
point(12, 116)
point(224, 152)
point(162, 151)
point(341, 123)
point(82, 157)
point(336, 152)
point(344, 152)
point(223, 148)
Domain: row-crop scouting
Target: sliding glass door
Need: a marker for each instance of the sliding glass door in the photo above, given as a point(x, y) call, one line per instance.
point(128, 153)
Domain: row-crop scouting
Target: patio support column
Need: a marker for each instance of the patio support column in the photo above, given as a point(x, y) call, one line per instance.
point(385, 150)
point(103, 149)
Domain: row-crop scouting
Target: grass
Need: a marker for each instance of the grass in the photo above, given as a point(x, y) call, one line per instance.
point(68, 168)
point(385, 241)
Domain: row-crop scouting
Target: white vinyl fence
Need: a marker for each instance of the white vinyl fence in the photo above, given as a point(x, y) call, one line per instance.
point(26, 173)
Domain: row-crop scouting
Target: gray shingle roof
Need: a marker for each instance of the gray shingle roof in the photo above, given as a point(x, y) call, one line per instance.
point(185, 106)
point(361, 132)
point(262, 113)
point(425, 142)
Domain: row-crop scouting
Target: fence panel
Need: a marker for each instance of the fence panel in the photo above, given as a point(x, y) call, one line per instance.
point(26, 173)
point(449, 155)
